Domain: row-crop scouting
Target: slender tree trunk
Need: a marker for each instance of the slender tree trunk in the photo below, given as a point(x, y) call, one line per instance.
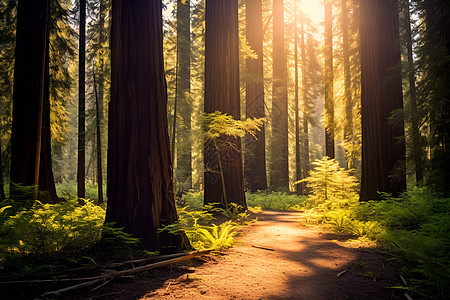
point(28, 95)
point(348, 123)
point(183, 173)
point(415, 135)
point(329, 98)
point(81, 172)
point(99, 143)
point(2, 182)
point(383, 168)
point(279, 178)
point(306, 109)
point(298, 165)
point(222, 94)
point(140, 187)
point(255, 153)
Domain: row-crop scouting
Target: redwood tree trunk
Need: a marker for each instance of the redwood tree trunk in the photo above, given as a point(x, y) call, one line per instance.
point(348, 121)
point(255, 154)
point(329, 101)
point(381, 94)
point(279, 177)
point(81, 172)
point(139, 184)
point(28, 95)
point(222, 94)
point(183, 173)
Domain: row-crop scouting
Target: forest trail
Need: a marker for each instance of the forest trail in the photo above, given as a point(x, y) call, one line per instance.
point(299, 263)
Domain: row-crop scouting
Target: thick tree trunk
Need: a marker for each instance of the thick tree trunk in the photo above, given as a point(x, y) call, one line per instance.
point(348, 121)
point(81, 172)
point(329, 101)
point(255, 153)
point(383, 168)
point(183, 174)
point(279, 177)
point(28, 95)
point(140, 187)
point(46, 179)
point(224, 170)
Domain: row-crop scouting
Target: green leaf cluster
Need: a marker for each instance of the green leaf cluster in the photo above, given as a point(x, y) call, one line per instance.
point(51, 228)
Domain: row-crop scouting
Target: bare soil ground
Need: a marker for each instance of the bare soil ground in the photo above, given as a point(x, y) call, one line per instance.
point(298, 263)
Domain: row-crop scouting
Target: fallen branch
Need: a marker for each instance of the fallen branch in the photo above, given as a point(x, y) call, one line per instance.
point(264, 248)
point(111, 274)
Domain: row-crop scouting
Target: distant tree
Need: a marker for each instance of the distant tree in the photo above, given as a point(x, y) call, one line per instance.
point(348, 112)
point(139, 184)
point(383, 167)
point(279, 177)
point(222, 94)
point(183, 173)
point(433, 89)
point(81, 172)
point(329, 97)
point(255, 153)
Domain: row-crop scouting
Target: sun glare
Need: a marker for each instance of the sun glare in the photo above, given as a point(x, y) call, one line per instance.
point(313, 9)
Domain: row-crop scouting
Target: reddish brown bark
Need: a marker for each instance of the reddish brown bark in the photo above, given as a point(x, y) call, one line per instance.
point(222, 94)
point(139, 184)
point(329, 97)
point(279, 177)
point(30, 135)
point(255, 154)
point(381, 94)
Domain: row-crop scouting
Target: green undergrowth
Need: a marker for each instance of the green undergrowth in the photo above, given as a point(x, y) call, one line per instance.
point(414, 228)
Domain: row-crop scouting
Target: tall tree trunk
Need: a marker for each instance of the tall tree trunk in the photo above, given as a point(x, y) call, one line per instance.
point(329, 101)
point(99, 104)
point(279, 177)
point(298, 164)
point(81, 172)
point(98, 145)
point(255, 153)
point(183, 172)
point(381, 93)
point(348, 121)
point(28, 95)
point(2, 181)
point(222, 94)
point(415, 135)
point(46, 178)
point(140, 187)
point(306, 110)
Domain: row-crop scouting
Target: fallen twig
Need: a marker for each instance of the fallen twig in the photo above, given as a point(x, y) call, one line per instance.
point(342, 273)
point(264, 248)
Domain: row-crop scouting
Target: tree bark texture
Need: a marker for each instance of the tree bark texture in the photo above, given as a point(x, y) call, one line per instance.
point(183, 173)
point(222, 94)
point(298, 162)
point(348, 120)
point(46, 179)
point(81, 172)
point(304, 152)
point(279, 177)
point(139, 184)
point(383, 168)
point(329, 97)
point(255, 153)
point(28, 96)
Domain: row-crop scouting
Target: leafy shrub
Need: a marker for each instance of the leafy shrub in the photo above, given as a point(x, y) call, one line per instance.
point(275, 200)
point(50, 228)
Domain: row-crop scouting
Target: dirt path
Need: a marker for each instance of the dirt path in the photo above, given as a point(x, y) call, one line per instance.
point(304, 264)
